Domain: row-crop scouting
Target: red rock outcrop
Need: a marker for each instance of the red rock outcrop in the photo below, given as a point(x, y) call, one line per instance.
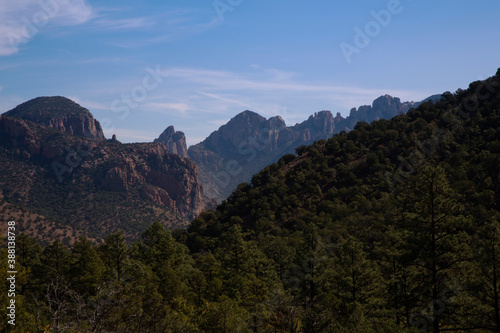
point(174, 141)
point(88, 182)
point(59, 113)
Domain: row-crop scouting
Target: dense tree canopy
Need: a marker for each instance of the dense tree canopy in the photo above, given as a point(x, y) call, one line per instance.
point(391, 227)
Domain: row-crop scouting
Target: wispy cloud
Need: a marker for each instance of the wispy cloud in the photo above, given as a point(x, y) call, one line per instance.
point(190, 95)
point(225, 99)
point(91, 105)
point(124, 24)
point(215, 83)
point(167, 24)
point(166, 108)
point(175, 31)
point(103, 60)
point(21, 20)
point(166, 30)
point(197, 101)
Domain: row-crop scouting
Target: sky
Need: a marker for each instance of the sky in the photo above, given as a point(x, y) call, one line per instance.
point(141, 66)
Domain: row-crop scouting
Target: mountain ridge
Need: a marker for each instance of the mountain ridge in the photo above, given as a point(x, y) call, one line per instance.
point(175, 141)
point(248, 142)
point(92, 184)
point(60, 113)
point(372, 229)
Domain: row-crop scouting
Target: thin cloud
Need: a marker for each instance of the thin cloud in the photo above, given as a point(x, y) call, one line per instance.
point(88, 104)
point(276, 81)
point(102, 60)
point(21, 20)
point(166, 25)
point(225, 99)
point(163, 107)
point(195, 94)
point(176, 31)
point(165, 31)
point(124, 24)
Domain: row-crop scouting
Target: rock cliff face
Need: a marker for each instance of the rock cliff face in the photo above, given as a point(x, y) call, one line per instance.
point(174, 141)
point(384, 107)
point(94, 185)
point(60, 113)
point(249, 142)
point(160, 177)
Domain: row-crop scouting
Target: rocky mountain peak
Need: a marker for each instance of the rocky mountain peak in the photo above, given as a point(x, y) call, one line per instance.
point(322, 117)
point(247, 118)
point(384, 107)
point(60, 113)
point(170, 130)
point(174, 141)
point(338, 117)
point(276, 123)
point(248, 142)
point(239, 128)
point(386, 101)
point(319, 122)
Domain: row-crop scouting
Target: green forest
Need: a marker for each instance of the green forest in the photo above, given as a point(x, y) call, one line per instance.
point(391, 227)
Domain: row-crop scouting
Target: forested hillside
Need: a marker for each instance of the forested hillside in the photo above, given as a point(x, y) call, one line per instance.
point(249, 142)
point(391, 227)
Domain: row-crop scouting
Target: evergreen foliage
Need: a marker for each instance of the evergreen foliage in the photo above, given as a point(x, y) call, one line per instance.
point(392, 227)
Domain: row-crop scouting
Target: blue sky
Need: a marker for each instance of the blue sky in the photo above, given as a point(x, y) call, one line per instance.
point(140, 66)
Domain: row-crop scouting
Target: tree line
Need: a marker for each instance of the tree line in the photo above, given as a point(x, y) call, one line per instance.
point(391, 227)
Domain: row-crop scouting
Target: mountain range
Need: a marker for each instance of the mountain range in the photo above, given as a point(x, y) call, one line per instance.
point(248, 142)
point(62, 178)
point(393, 226)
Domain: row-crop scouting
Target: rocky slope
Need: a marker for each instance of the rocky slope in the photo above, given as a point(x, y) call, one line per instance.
point(94, 185)
point(249, 142)
point(60, 113)
point(384, 107)
point(174, 141)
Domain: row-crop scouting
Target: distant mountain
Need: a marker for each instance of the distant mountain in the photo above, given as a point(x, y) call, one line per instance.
point(56, 165)
point(60, 113)
point(174, 141)
point(245, 145)
point(384, 107)
point(369, 230)
point(249, 142)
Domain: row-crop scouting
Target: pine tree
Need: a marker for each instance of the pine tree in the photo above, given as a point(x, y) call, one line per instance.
point(28, 251)
point(114, 253)
point(482, 292)
point(398, 275)
point(87, 269)
point(54, 263)
point(433, 215)
point(352, 283)
point(233, 251)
